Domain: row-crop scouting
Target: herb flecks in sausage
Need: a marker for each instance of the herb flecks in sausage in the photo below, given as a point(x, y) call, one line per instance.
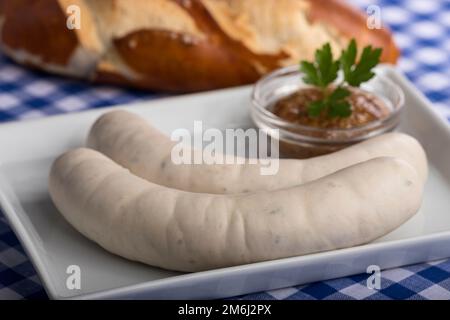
point(85, 185)
point(119, 134)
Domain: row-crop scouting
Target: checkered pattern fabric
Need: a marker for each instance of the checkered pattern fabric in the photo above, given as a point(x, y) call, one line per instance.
point(422, 30)
point(26, 94)
point(418, 282)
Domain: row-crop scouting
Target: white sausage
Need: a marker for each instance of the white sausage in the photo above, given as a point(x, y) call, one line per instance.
point(133, 143)
point(185, 231)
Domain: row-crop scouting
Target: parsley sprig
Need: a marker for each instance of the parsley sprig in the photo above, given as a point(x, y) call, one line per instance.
point(324, 71)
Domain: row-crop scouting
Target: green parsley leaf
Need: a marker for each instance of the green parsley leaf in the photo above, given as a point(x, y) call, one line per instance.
point(335, 104)
point(338, 94)
point(355, 74)
point(340, 109)
point(323, 71)
point(348, 58)
point(310, 73)
point(328, 69)
point(315, 108)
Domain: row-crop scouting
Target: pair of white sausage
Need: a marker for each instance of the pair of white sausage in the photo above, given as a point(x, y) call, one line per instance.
point(133, 143)
point(187, 231)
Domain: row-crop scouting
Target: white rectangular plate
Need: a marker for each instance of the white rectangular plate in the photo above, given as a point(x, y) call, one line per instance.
point(28, 148)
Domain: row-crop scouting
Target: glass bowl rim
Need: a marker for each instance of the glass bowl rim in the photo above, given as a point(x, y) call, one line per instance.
point(283, 124)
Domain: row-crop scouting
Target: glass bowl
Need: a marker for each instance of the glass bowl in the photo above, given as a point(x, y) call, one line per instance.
point(300, 141)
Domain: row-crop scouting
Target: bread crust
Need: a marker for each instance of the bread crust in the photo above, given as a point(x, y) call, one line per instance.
point(27, 24)
point(353, 24)
point(180, 45)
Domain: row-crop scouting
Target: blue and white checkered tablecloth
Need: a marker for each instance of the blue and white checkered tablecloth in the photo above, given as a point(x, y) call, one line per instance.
point(422, 30)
